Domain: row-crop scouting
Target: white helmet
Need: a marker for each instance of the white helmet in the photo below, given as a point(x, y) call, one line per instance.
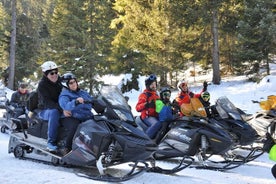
point(49, 65)
point(181, 84)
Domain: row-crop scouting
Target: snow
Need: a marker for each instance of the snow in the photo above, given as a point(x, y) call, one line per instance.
point(237, 89)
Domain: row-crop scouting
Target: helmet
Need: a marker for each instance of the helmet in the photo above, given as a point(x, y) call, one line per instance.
point(181, 84)
point(165, 92)
point(205, 96)
point(67, 77)
point(152, 78)
point(22, 85)
point(49, 65)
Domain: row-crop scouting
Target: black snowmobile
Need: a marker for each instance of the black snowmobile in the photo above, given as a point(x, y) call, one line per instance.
point(111, 138)
point(228, 116)
point(207, 137)
point(9, 115)
point(243, 134)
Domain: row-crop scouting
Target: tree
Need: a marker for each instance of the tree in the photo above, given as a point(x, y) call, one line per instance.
point(12, 47)
point(257, 30)
point(145, 27)
point(4, 39)
point(80, 38)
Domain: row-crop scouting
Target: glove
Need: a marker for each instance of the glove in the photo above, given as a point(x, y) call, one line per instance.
point(191, 94)
point(175, 107)
point(268, 143)
point(205, 85)
point(150, 104)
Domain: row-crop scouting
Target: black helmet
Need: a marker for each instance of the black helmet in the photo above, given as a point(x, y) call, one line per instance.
point(205, 96)
point(152, 78)
point(67, 77)
point(165, 92)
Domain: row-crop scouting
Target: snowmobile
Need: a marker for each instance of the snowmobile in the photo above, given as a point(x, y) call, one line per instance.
point(8, 124)
point(263, 121)
point(205, 137)
point(243, 134)
point(111, 138)
point(228, 116)
point(3, 98)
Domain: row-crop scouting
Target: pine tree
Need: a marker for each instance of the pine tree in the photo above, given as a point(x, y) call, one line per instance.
point(80, 38)
point(257, 31)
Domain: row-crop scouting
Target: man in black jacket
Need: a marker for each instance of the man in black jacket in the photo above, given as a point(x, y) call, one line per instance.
point(48, 90)
point(19, 99)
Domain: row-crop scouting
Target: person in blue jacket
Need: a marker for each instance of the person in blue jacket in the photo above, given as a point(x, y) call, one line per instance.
point(163, 107)
point(73, 99)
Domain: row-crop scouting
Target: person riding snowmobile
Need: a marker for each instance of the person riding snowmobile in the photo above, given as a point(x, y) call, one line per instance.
point(163, 107)
point(146, 105)
point(185, 94)
point(72, 99)
point(49, 88)
point(19, 99)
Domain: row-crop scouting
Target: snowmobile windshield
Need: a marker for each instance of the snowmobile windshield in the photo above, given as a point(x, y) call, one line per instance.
point(117, 103)
point(226, 108)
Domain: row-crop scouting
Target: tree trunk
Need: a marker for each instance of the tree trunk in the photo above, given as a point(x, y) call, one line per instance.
point(215, 55)
point(12, 47)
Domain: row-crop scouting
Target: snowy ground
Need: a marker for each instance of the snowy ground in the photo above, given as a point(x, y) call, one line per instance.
point(241, 93)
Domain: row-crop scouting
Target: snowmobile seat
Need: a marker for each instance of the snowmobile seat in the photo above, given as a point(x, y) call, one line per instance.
point(38, 127)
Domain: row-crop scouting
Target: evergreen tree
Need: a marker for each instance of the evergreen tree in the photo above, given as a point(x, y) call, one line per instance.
point(257, 30)
point(80, 38)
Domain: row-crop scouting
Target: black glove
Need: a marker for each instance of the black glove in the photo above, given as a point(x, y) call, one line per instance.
point(150, 104)
point(191, 94)
point(268, 143)
point(205, 85)
point(175, 107)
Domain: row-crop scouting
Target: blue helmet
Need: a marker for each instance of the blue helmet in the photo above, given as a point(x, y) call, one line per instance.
point(152, 78)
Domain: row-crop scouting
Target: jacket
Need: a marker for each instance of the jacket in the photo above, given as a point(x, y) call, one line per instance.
point(144, 98)
point(184, 97)
point(48, 93)
point(19, 99)
point(272, 153)
point(164, 111)
point(67, 101)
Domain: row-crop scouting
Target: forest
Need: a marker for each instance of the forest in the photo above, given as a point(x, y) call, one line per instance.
point(92, 38)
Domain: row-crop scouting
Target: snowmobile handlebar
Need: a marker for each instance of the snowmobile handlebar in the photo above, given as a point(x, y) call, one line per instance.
point(255, 101)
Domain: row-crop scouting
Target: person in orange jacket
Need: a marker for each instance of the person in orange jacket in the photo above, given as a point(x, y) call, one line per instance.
point(185, 94)
point(146, 105)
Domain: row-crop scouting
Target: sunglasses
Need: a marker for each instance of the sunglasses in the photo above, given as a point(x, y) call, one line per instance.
point(72, 82)
point(53, 73)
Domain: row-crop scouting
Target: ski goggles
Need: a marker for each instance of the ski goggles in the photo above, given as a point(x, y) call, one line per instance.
point(206, 97)
point(166, 94)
